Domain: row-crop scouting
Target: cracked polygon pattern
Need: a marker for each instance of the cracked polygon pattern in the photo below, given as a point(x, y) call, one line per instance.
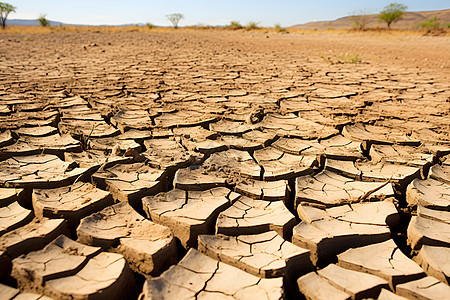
point(368, 171)
point(39, 131)
point(199, 276)
point(95, 129)
point(184, 118)
point(293, 126)
point(71, 202)
point(109, 144)
point(336, 147)
point(37, 171)
point(147, 246)
point(188, 213)
point(425, 288)
point(331, 231)
point(371, 134)
point(132, 119)
point(229, 127)
point(277, 165)
point(265, 255)
point(53, 144)
point(429, 193)
point(330, 189)
point(384, 260)
point(251, 216)
point(228, 167)
point(264, 190)
point(94, 159)
point(419, 157)
point(169, 154)
point(106, 274)
point(13, 216)
point(131, 182)
point(62, 257)
point(33, 236)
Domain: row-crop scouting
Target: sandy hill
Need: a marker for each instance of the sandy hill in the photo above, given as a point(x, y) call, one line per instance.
point(409, 21)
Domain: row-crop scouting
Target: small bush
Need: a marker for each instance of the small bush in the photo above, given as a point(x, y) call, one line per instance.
point(278, 28)
point(150, 25)
point(432, 23)
point(252, 25)
point(234, 25)
point(43, 21)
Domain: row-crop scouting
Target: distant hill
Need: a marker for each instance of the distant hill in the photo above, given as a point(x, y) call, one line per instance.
point(20, 22)
point(409, 21)
point(23, 22)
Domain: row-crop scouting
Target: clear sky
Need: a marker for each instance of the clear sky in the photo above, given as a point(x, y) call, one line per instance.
point(266, 12)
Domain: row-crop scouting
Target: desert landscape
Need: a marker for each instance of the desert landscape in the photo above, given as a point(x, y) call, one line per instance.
point(215, 164)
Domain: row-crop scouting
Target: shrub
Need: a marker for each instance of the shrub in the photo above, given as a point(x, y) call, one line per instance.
point(432, 23)
point(235, 25)
point(43, 21)
point(252, 25)
point(278, 28)
point(150, 25)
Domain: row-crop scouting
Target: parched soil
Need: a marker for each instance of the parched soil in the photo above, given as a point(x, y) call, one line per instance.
point(211, 163)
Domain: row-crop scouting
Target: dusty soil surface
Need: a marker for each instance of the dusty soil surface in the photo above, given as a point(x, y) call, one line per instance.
point(243, 165)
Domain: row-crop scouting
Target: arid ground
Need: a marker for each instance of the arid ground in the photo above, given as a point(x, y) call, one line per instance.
point(215, 164)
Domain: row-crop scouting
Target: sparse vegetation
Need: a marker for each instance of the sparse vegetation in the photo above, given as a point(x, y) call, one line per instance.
point(341, 59)
point(5, 10)
point(150, 25)
point(175, 19)
point(43, 20)
point(252, 25)
point(278, 28)
point(235, 25)
point(392, 13)
point(359, 19)
point(432, 23)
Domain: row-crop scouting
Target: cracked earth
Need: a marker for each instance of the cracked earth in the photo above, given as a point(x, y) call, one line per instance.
point(223, 165)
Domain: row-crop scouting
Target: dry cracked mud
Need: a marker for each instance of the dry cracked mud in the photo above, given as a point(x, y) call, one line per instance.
point(197, 164)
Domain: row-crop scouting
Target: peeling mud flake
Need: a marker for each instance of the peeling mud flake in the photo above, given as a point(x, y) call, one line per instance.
point(359, 285)
point(426, 231)
point(199, 276)
point(62, 257)
point(435, 261)
point(330, 189)
point(107, 274)
point(312, 286)
point(71, 203)
point(14, 216)
point(265, 255)
point(425, 288)
point(37, 171)
point(147, 246)
point(384, 260)
point(10, 195)
point(251, 216)
point(131, 182)
point(429, 193)
point(329, 232)
point(33, 236)
point(188, 213)
point(278, 165)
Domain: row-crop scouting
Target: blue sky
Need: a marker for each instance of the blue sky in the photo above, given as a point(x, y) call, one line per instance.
point(266, 12)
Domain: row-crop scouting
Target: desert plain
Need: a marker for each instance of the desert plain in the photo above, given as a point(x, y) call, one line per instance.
point(214, 164)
